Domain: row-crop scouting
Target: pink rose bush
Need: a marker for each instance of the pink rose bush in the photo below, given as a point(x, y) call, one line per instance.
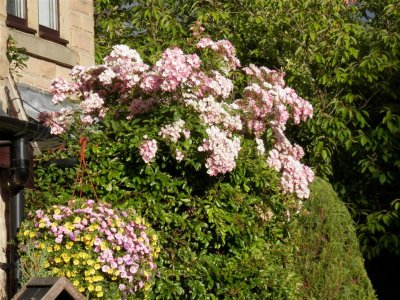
point(105, 253)
point(200, 89)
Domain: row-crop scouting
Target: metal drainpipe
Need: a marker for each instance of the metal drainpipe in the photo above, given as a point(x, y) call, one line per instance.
point(19, 132)
point(19, 176)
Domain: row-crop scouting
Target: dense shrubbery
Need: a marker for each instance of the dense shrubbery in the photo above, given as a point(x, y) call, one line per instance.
point(175, 143)
point(219, 237)
point(228, 242)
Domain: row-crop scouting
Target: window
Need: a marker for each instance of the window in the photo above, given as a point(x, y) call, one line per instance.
point(48, 21)
point(48, 13)
point(17, 8)
point(17, 15)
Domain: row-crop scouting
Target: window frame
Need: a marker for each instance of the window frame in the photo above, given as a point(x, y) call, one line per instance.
point(51, 35)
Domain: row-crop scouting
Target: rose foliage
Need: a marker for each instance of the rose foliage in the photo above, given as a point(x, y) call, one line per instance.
point(196, 145)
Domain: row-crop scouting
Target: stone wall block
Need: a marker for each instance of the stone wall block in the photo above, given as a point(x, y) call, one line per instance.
point(85, 6)
point(82, 40)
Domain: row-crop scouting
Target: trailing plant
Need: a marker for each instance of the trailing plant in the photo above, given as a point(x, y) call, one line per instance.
point(104, 252)
point(16, 56)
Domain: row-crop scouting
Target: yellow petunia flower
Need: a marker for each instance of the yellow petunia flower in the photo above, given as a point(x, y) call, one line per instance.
point(103, 246)
point(65, 257)
point(98, 278)
point(69, 245)
point(69, 226)
point(93, 227)
point(98, 288)
point(90, 262)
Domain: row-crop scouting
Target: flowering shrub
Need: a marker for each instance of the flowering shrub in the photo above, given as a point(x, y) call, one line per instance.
point(196, 145)
point(104, 252)
point(184, 82)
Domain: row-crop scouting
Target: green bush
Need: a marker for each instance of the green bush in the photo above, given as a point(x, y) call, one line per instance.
point(220, 238)
point(329, 259)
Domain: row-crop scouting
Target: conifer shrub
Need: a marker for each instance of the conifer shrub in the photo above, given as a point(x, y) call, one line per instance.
point(329, 258)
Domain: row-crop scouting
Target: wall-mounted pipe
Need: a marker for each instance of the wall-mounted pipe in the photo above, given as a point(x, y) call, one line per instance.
point(19, 176)
point(19, 132)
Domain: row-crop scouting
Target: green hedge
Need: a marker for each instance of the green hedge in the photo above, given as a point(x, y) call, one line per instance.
point(329, 259)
